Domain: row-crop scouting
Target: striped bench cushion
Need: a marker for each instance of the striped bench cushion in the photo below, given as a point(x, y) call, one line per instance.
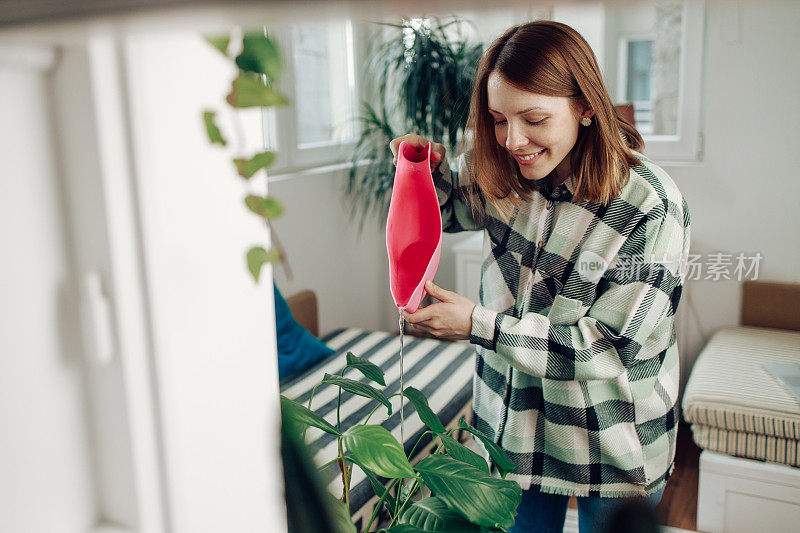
point(749, 445)
point(441, 370)
point(729, 395)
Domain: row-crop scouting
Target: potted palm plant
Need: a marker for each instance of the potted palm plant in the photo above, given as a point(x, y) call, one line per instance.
point(423, 74)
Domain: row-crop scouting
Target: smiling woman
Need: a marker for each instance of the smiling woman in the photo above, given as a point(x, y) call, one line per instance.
point(577, 367)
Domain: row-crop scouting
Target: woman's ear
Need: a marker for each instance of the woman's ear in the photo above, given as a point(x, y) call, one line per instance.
point(583, 109)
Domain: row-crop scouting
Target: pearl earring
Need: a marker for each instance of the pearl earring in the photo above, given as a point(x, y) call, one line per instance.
point(586, 121)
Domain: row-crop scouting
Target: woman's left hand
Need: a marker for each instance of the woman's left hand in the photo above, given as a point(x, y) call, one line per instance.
point(450, 320)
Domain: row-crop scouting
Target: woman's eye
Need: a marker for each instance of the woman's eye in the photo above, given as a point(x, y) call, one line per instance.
point(499, 122)
point(534, 123)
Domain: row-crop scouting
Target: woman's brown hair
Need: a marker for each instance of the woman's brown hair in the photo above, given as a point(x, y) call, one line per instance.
point(550, 58)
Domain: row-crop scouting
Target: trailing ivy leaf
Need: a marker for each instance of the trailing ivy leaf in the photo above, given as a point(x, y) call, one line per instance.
point(248, 90)
point(266, 206)
point(247, 167)
point(376, 448)
point(499, 458)
point(424, 411)
point(259, 54)
point(220, 42)
point(342, 523)
point(432, 514)
point(257, 256)
point(459, 452)
point(479, 497)
point(370, 370)
point(214, 135)
point(294, 411)
point(361, 389)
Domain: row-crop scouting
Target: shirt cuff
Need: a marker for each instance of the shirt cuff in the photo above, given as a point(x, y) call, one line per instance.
point(485, 327)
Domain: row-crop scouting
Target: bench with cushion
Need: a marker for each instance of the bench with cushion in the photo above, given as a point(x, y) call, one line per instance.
point(748, 424)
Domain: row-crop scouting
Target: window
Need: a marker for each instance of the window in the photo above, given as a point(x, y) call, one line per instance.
point(650, 52)
point(636, 62)
point(320, 126)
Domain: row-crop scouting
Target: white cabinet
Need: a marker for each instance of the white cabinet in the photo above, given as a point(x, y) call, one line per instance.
point(469, 258)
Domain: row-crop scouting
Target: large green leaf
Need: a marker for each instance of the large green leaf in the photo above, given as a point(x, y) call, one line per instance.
point(376, 448)
point(424, 411)
point(342, 522)
point(248, 90)
point(293, 410)
point(259, 54)
point(370, 370)
point(361, 389)
point(478, 496)
point(257, 256)
point(247, 167)
point(214, 135)
point(499, 458)
point(432, 514)
point(459, 452)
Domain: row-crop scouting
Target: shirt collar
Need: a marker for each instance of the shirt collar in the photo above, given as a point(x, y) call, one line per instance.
point(562, 193)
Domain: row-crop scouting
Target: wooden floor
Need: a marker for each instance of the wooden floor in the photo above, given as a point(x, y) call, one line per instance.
point(678, 507)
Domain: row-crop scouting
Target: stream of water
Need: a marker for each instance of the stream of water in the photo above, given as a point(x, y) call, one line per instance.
point(401, 324)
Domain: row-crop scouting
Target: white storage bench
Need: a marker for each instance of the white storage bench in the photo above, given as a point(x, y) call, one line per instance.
point(749, 429)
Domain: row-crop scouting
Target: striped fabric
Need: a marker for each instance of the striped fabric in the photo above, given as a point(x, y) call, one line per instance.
point(441, 370)
point(749, 445)
point(576, 378)
point(735, 406)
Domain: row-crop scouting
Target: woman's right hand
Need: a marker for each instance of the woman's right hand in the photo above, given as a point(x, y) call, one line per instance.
point(417, 141)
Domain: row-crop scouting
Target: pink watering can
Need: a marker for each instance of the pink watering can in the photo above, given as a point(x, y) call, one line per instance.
point(414, 227)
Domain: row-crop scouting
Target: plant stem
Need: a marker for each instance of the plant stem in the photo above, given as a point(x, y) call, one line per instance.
point(339, 405)
point(376, 407)
point(399, 511)
point(411, 454)
point(313, 391)
point(378, 505)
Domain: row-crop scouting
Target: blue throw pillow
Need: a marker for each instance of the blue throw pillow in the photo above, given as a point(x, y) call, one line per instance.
point(297, 348)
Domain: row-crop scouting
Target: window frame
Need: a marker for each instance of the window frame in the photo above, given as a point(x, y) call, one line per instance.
point(280, 125)
point(686, 145)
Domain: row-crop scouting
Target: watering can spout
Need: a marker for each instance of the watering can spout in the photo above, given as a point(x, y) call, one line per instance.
point(413, 228)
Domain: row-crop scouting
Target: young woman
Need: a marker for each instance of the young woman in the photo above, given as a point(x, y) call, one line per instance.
point(577, 361)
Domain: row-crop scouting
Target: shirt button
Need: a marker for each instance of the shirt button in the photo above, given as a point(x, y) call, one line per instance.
point(541, 244)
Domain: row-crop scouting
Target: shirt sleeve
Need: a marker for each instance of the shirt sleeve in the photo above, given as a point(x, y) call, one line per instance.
point(630, 322)
point(462, 205)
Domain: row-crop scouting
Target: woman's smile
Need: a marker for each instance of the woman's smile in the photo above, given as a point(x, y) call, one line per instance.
point(531, 158)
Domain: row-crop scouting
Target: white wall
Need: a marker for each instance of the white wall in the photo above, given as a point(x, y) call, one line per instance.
point(46, 483)
point(743, 195)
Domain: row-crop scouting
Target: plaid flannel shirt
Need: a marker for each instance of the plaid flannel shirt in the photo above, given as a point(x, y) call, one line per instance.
point(577, 374)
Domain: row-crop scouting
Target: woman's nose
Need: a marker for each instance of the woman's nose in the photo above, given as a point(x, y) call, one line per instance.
point(515, 139)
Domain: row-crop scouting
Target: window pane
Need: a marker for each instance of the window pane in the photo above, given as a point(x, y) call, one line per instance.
point(324, 80)
point(640, 54)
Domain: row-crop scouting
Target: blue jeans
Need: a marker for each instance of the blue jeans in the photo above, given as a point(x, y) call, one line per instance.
point(540, 512)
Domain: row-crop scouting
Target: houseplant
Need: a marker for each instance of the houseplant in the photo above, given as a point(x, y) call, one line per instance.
point(464, 496)
point(423, 78)
point(258, 66)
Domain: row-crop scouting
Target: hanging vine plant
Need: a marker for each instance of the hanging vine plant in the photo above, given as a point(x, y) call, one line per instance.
point(424, 74)
point(259, 66)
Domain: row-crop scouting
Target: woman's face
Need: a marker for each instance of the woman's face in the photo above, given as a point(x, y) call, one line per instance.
point(538, 131)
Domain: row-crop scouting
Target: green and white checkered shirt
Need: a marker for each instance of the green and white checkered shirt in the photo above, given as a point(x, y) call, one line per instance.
point(577, 364)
